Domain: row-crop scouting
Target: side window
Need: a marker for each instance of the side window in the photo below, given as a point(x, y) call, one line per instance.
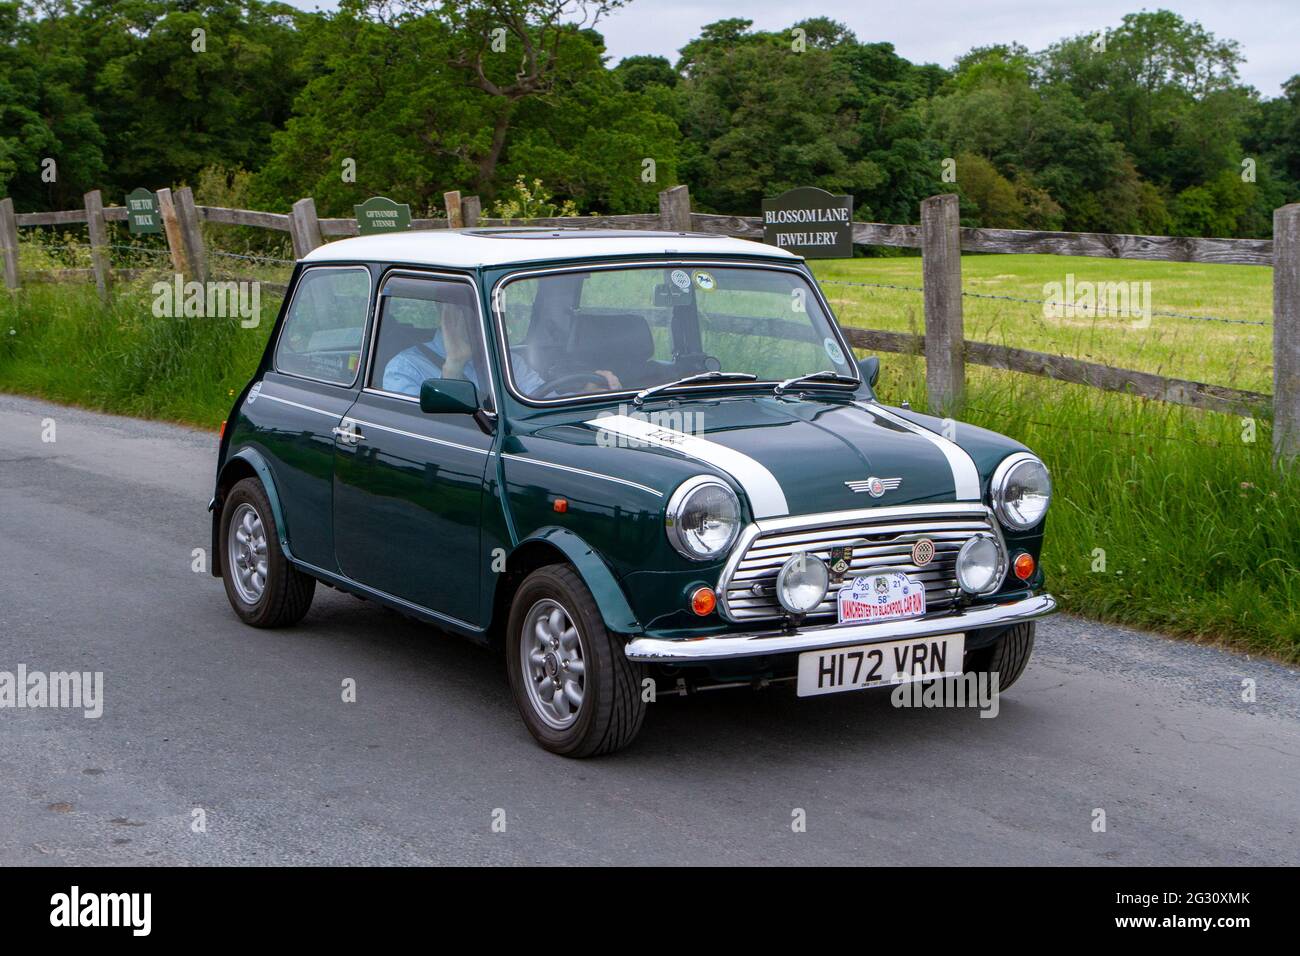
point(322, 333)
point(428, 328)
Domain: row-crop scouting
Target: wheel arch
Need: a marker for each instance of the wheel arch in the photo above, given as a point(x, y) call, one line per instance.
point(245, 463)
point(562, 546)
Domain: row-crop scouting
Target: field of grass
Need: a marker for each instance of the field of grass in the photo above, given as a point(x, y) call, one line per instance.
point(1164, 517)
point(1221, 353)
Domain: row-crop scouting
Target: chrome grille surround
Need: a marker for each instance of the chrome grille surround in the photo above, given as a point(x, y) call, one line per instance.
point(880, 538)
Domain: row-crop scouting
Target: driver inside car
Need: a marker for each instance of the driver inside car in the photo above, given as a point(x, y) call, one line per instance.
point(450, 354)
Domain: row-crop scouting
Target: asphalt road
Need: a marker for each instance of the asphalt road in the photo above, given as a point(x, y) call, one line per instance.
point(200, 712)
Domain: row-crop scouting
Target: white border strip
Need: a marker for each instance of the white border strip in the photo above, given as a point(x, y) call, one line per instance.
point(760, 485)
point(965, 476)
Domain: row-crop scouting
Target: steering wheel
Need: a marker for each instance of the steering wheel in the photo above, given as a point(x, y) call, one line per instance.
point(558, 385)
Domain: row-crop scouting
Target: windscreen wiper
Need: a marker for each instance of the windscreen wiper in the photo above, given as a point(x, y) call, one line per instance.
point(645, 393)
point(826, 377)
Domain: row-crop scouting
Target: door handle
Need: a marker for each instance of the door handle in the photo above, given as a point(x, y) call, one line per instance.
point(349, 434)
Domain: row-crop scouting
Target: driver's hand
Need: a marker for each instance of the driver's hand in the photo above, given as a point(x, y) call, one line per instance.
point(610, 378)
point(456, 340)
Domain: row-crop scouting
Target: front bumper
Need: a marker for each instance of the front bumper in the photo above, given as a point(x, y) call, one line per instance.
point(697, 650)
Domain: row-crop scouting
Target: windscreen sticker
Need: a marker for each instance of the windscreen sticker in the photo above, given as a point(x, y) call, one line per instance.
point(833, 350)
point(681, 279)
point(705, 282)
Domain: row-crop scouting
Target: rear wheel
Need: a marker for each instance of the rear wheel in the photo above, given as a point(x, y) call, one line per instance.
point(576, 690)
point(1006, 657)
point(263, 587)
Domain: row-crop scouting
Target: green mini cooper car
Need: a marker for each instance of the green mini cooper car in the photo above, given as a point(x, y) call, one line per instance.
point(638, 463)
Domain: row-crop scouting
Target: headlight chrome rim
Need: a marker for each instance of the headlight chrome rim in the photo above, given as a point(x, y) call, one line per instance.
point(998, 486)
point(802, 561)
point(999, 568)
point(677, 506)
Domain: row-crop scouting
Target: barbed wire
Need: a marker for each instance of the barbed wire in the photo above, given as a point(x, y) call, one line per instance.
point(250, 257)
point(1019, 299)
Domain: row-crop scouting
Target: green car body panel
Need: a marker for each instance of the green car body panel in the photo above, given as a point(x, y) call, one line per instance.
point(429, 528)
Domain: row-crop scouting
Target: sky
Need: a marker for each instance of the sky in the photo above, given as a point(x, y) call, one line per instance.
point(938, 31)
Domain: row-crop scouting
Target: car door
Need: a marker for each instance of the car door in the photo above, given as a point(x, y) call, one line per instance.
point(313, 380)
point(408, 486)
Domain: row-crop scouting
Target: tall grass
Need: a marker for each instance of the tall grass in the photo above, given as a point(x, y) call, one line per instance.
point(1163, 516)
point(59, 342)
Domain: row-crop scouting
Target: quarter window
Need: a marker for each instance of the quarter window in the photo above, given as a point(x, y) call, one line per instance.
point(322, 333)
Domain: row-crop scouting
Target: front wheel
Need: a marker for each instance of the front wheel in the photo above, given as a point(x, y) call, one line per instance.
point(263, 587)
point(1006, 657)
point(576, 690)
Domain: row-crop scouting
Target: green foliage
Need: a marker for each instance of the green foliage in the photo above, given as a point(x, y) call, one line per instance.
point(530, 201)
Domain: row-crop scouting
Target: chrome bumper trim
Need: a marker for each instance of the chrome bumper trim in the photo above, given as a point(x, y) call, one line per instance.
point(734, 646)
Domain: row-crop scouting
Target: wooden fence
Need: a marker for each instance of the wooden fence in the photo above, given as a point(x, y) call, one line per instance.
point(940, 237)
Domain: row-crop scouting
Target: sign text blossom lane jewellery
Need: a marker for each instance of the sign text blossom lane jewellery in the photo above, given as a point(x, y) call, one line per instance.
point(810, 222)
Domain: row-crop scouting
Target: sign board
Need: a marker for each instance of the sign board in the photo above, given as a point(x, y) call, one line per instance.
point(810, 222)
point(379, 215)
point(142, 215)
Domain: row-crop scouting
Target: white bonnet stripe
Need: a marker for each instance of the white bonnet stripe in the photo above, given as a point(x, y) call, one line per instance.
point(965, 476)
point(760, 485)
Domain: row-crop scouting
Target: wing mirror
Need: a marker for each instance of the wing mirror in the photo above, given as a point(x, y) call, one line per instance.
point(870, 369)
point(448, 396)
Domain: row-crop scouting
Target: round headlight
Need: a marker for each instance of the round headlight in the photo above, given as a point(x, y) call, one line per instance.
point(1021, 491)
point(979, 565)
point(801, 583)
point(703, 518)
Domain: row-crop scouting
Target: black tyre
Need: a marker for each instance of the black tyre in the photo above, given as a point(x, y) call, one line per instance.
point(1006, 657)
point(263, 587)
point(576, 690)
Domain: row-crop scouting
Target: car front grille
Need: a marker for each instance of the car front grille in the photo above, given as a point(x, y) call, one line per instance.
point(880, 538)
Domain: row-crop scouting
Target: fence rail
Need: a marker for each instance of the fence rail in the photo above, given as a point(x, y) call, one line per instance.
point(940, 237)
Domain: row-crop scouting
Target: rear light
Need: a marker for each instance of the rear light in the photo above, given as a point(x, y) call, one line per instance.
point(221, 432)
point(1024, 566)
point(561, 505)
point(703, 601)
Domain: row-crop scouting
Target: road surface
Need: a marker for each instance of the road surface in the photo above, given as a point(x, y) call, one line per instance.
point(246, 732)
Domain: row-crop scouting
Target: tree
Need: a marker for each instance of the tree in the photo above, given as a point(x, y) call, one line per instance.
point(44, 113)
point(761, 118)
point(389, 94)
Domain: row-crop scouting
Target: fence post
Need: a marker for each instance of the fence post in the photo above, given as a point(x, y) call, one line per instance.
point(187, 215)
point(304, 227)
point(471, 210)
point(945, 370)
point(1286, 334)
point(675, 209)
point(9, 242)
point(99, 253)
point(172, 230)
point(455, 218)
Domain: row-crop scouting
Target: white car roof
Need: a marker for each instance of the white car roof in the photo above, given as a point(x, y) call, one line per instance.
point(468, 248)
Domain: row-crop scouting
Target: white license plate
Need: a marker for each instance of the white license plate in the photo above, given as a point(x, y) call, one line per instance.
point(880, 665)
point(885, 596)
